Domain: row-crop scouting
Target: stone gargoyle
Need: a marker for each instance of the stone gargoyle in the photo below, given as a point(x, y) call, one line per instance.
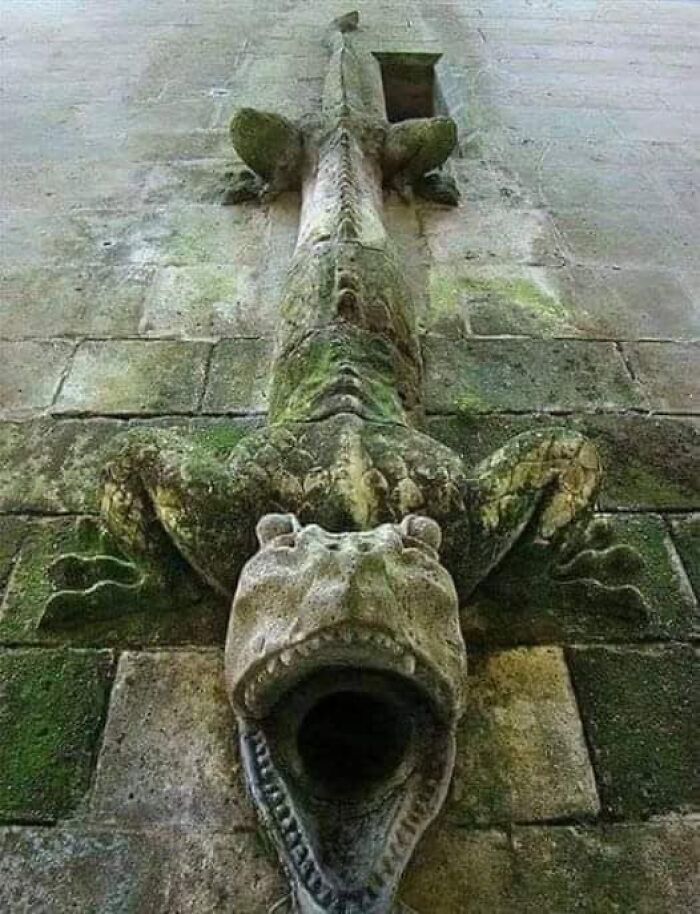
point(344, 658)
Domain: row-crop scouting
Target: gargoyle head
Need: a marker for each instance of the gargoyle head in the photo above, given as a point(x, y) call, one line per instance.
point(345, 665)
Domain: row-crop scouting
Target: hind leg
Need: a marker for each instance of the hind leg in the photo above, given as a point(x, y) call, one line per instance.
point(550, 478)
point(169, 508)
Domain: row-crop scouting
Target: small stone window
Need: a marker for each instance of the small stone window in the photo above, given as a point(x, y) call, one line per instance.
point(409, 85)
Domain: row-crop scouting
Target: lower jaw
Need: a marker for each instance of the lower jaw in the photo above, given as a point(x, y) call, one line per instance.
point(345, 847)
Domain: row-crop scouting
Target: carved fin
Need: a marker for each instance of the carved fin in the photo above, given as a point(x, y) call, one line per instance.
point(416, 146)
point(269, 144)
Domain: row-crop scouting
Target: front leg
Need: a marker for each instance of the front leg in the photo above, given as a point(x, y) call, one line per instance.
point(546, 481)
point(169, 507)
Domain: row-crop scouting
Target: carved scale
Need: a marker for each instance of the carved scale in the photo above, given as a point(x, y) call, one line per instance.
point(344, 658)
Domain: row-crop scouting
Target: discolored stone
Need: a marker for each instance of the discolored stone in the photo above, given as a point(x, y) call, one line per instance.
point(648, 869)
point(686, 535)
point(484, 376)
point(639, 710)
point(169, 755)
point(73, 301)
point(52, 466)
point(521, 754)
point(202, 301)
point(239, 377)
point(188, 614)
point(131, 376)
point(12, 532)
point(670, 374)
point(52, 705)
point(30, 374)
point(458, 870)
point(651, 462)
point(514, 605)
point(115, 871)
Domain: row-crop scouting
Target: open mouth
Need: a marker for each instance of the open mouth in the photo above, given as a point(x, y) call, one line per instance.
point(347, 768)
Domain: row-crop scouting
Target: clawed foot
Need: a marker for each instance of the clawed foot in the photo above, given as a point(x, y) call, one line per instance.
point(102, 586)
point(596, 560)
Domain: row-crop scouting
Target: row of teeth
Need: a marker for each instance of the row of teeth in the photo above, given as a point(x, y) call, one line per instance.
point(298, 851)
point(406, 660)
point(408, 829)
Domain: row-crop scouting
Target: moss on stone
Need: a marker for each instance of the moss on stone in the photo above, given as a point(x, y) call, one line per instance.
point(492, 304)
point(51, 710)
point(514, 605)
point(686, 535)
point(185, 614)
point(639, 707)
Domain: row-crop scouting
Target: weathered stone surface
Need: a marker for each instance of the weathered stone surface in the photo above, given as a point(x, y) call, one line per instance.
point(12, 533)
point(669, 373)
point(52, 705)
point(169, 754)
point(483, 376)
point(457, 870)
point(192, 614)
point(639, 710)
point(50, 466)
point(73, 301)
point(648, 869)
point(30, 374)
point(521, 754)
point(238, 377)
point(651, 463)
point(113, 871)
point(686, 535)
point(131, 376)
point(515, 606)
point(200, 302)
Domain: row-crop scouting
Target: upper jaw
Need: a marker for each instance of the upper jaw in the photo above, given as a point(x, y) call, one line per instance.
point(361, 647)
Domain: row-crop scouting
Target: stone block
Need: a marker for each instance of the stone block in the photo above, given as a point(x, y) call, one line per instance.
point(190, 613)
point(49, 466)
point(73, 301)
point(238, 377)
point(648, 869)
point(651, 462)
point(483, 376)
point(169, 755)
point(633, 302)
point(30, 373)
point(521, 753)
point(12, 533)
point(113, 871)
point(134, 377)
point(639, 707)
point(686, 535)
point(669, 373)
point(52, 705)
point(497, 299)
point(457, 870)
point(515, 605)
point(202, 302)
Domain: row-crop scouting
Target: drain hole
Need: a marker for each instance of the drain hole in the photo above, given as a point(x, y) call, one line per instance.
point(350, 741)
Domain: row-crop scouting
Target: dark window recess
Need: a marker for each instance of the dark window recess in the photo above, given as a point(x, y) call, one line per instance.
point(409, 85)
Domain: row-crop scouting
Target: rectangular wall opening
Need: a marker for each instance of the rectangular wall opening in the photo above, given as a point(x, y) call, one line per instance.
point(409, 85)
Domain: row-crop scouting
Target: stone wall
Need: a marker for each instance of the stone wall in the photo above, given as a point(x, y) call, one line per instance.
point(564, 290)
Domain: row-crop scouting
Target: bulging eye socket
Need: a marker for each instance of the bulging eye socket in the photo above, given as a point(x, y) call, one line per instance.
point(422, 530)
point(273, 526)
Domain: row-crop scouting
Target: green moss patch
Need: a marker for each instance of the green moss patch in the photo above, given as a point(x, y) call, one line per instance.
point(639, 708)
point(52, 704)
point(523, 600)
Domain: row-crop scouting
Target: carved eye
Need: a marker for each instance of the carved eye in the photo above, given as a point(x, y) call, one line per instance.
point(423, 529)
point(270, 526)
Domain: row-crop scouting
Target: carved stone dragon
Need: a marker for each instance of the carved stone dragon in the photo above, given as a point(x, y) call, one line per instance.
point(346, 612)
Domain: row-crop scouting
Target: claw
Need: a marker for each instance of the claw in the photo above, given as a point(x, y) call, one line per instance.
point(104, 600)
point(80, 572)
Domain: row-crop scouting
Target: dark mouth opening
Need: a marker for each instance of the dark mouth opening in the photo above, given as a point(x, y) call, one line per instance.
point(350, 741)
